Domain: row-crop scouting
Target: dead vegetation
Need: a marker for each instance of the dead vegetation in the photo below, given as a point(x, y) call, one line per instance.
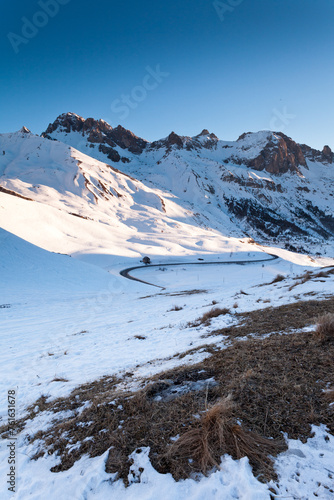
point(276, 319)
point(303, 278)
point(184, 293)
point(277, 279)
point(206, 317)
point(308, 276)
point(329, 395)
point(325, 328)
point(218, 433)
point(278, 384)
point(175, 308)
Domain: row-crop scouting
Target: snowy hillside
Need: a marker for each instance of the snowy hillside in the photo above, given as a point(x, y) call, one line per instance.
point(264, 185)
point(64, 201)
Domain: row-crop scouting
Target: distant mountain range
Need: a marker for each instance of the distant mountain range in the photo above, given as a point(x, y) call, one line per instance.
point(263, 187)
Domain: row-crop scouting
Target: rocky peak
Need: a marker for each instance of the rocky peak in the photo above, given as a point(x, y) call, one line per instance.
point(325, 156)
point(204, 132)
point(24, 130)
point(173, 138)
point(97, 132)
point(279, 155)
point(128, 140)
point(70, 122)
point(203, 140)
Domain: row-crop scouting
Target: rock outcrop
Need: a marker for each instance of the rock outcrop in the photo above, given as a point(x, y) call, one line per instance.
point(97, 132)
point(325, 156)
point(280, 155)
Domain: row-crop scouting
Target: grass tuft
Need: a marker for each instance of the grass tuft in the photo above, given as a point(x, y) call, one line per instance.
point(325, 328)
point(278, 278)
point(213, 313)
point(175, 308)
point(217, 434)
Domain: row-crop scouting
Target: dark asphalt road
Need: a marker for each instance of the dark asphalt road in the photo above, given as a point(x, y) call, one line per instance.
point(126, 272)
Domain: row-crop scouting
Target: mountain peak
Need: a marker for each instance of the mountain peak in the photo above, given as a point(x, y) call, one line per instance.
point(204, 132)
point(174, 138)
point(96, 132)
point(71, 122)
point(24, 130)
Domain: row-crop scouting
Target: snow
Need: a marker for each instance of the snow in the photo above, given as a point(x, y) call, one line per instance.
point(304, 471)
point(68, 317)
point(87, 479)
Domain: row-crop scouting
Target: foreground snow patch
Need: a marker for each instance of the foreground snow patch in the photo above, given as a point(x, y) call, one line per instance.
point(87, 480)
point(307, 470)
point(304, 471)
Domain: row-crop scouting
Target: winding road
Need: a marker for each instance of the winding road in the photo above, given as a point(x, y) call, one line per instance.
point(126, 272)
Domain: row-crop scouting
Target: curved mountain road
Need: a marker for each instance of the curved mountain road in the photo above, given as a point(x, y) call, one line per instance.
point(126, 272)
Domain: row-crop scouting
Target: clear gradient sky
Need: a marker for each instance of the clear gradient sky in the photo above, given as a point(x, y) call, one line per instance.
point(254, 65)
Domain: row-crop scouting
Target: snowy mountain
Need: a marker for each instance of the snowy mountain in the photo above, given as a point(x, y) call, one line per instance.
point(65, 201)
point(264, 185)
point(102, 190)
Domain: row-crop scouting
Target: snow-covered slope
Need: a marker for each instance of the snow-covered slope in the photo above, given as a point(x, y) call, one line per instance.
point(264, 185)
point(65, 201)
point(175, 197)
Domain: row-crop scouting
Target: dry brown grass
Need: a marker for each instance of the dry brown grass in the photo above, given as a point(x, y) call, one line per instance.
point(176, 294)
point(217, 434)
point(278, 278)
point(329, 395)
point(206, 317)
point(325, 328)
point(308, 275)
point(283, 318)
point(303, 278)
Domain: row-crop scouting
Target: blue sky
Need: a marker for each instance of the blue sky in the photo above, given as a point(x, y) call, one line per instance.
point(230, 66)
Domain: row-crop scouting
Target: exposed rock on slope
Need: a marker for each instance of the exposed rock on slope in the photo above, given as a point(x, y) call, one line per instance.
point(280, 155)
point(97, 132)
point(325, 156)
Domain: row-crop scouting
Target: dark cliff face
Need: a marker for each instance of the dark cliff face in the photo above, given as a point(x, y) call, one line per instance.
point(185, 142)
point(325, 156)
point(172, 140)
point(280, 155)
point(98, 132)
point(127, 140)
